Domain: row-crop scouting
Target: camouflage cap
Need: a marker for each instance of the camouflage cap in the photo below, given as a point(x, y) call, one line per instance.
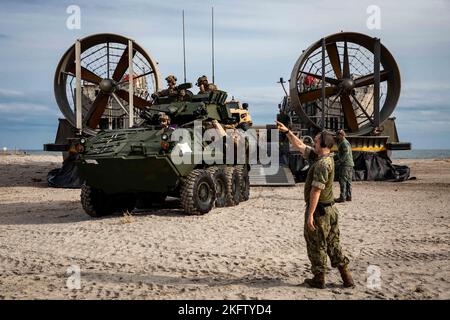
point(171, 77)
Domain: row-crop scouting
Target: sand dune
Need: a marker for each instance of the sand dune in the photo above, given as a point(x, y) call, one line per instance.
point(253, 251)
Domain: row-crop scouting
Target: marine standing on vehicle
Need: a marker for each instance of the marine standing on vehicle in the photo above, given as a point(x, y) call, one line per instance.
point(204, 85)
point(172, 90)
point(171, 87)
point(321, 228)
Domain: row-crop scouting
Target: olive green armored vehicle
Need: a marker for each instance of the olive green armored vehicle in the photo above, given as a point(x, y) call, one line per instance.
point(136, 167)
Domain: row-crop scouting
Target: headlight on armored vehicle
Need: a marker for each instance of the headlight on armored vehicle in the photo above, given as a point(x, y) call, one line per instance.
point(165, 145)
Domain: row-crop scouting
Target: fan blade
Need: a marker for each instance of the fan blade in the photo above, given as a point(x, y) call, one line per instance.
point(96, 111)
point(333, 55)
point(370, 79)
point(86, 75)
point(137, 101)
point(122, 65)
point(349, 113)
point(312, 95)
point(362, 108)
point(329, 80)
point(346, 62)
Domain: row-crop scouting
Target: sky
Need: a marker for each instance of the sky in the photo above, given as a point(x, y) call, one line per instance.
point(256, 43)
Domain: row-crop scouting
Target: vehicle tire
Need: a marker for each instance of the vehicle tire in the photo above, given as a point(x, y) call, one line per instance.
point(233, 186)
point(95, 202)
point(245, 183)
point(220, 182)
point(198, 192)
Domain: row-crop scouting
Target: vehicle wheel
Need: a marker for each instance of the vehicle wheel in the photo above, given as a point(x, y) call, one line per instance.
point(220, 182)
point(198, 192)
point(245, 184)
point(233, 186)
point(95, 202)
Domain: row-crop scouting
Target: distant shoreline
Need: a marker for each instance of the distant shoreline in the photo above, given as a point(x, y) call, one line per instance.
point(396, 155)
point(421, 154)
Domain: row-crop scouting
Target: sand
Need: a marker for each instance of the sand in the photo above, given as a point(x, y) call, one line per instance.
point(395, 234)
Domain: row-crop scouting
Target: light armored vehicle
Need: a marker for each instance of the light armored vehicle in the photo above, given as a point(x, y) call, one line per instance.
point(129, 167)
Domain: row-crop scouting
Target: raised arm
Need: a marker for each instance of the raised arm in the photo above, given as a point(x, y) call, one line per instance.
point(293, 139)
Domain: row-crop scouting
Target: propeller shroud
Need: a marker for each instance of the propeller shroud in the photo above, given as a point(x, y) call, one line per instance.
point(105, 81)
point(349, 83)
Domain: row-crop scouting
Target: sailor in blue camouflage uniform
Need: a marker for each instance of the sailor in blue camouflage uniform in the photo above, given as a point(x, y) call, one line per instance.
point(345, 158)
point(321, 228)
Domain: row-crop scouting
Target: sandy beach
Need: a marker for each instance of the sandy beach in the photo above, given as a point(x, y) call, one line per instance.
point(395, 234)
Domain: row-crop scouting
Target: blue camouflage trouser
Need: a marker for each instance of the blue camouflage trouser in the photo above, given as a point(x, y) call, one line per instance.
point(345, 181)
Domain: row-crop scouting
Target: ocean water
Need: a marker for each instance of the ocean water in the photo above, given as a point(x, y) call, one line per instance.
point(33, 152)
point(408, 154)
point(422, 154)
point(41, 152)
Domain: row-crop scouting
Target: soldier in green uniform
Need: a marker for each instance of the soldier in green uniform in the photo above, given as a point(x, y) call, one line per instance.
point(172, 90)
point(204, 85)
point(164, 119)
point(321, 228)
point(171, 87)
point(346, 164)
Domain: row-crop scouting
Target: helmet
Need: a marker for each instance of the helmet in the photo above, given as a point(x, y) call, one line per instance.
point(171, 77)
point(201, 79)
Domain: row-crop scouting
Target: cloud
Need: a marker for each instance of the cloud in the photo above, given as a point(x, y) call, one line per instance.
point(6, 93)
point(28, 96)
point(24, 108)
point(426, 95)
point(272, 94)
point(256, 43)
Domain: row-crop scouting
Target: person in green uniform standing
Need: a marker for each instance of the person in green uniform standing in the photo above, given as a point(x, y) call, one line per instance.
point(321, 228)
point(346, 165)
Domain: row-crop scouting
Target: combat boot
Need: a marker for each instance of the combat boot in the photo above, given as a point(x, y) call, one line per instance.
point(339, 200)
point(318, 281)
point(346, 277)
point(348, 199)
